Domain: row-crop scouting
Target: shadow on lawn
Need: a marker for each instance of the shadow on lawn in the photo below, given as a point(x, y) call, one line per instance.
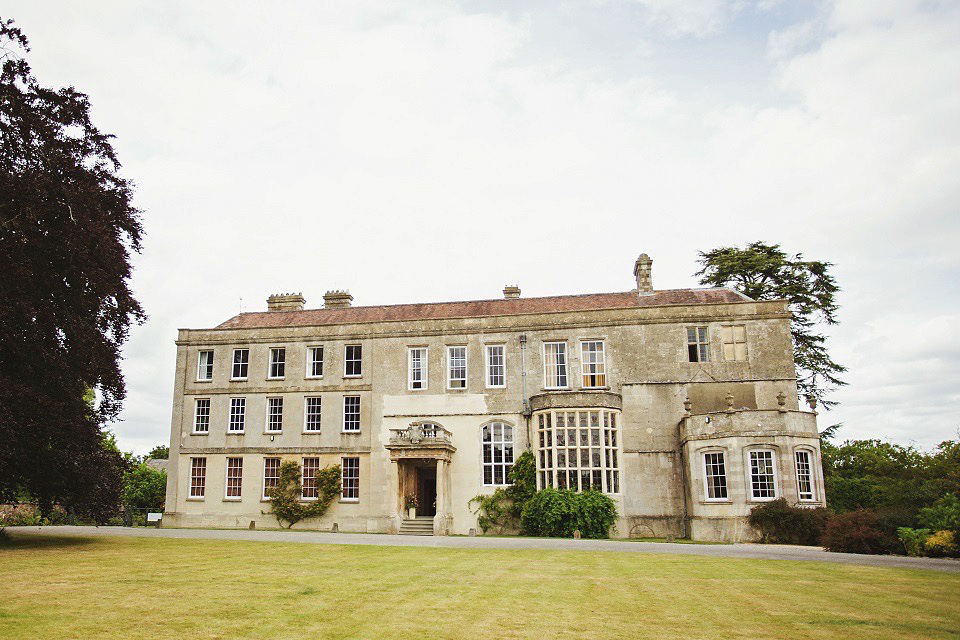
point(18, 541)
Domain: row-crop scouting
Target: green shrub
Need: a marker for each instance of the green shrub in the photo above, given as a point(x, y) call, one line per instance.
point(944, 515)
point(57, 516)
point(144, 488)
point(558, 513)
point(859, 531)
point(501, 510)
point(942, 544)
point(778, 522)
point(286, 503)
point(913, 540)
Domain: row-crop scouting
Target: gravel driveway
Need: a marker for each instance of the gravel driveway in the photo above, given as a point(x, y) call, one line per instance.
point(764, 551)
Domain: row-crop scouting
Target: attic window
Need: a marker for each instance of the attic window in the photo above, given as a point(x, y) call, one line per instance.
point(698, 347)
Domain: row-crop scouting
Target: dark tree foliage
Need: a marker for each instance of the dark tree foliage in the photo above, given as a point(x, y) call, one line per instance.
point(67, 229)
point(159, 452)
point(764, 272)
point(889, 478)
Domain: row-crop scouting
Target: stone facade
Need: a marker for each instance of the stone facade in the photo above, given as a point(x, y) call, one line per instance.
point(680, 404)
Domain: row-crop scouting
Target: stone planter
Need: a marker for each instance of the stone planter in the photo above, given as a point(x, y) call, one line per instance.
point(412, 511)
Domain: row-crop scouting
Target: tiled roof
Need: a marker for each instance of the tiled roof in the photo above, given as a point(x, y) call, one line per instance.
point(479, 308)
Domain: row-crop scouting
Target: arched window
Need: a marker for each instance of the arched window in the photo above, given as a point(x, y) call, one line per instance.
point(497, 442)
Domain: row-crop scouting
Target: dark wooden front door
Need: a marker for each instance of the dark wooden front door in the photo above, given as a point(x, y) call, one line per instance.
point(427, 491)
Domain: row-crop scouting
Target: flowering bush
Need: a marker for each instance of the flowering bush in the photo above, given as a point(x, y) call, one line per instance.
point(942, 544)
point(20, 515)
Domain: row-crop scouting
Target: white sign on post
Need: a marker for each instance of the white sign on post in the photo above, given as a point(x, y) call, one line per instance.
point(154, 517)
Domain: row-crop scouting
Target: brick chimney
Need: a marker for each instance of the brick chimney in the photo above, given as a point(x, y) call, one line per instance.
point(642, 270)
point(337, 299)
point(511, 292)
point(286, 302)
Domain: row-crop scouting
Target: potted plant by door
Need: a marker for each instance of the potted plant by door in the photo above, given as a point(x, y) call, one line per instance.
point(411, 505)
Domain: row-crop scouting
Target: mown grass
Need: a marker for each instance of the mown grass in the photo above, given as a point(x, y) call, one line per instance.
point(102, 587)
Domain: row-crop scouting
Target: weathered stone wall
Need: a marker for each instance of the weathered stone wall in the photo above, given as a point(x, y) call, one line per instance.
point(646, 366)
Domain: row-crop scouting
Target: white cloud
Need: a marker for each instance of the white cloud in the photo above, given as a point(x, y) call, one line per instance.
point(304, 147)
point(697, 18)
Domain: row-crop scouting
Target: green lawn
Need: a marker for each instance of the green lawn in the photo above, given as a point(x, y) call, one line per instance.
point(149, 588)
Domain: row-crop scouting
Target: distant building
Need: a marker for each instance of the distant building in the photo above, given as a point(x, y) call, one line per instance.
point(157, 464)
point(680, 404)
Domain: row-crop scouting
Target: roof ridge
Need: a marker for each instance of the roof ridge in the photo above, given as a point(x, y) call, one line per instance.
point(424, 304)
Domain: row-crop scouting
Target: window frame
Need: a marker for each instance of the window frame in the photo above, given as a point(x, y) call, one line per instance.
point(566, 365)
point(266, 427)
point(307, 414)
point(344, 478)
point(196, 415)
point(487, 366)
point(313, 478)
point(234, 364)
point(602, 364)
point(208, 365)
point(703, 346)
point(466, 367)
point(775, 467)
point(424, 368)
point(192, 494)
point(359, 414)
point(347, 361)
point(732, 329)
point(263, 486)
point(493, 444)
point(811, 473)
point(274, 363)
point(308, 372)
point(569, 455)
point(706, 475)
point(242, 414)
point(238, 477)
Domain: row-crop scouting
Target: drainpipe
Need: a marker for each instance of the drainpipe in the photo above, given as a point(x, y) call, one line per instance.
point(523, 379)
point(683, 477)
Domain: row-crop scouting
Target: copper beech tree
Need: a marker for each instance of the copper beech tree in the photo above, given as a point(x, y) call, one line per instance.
point(67, 231)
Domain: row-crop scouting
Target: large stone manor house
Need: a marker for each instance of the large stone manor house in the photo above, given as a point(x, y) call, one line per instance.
point(679, 404)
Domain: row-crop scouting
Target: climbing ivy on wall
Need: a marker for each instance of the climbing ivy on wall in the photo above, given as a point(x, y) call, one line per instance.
point(286, 503)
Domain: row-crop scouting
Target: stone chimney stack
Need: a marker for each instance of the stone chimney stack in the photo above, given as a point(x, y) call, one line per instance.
point(642, 270)
point(337, 299)
point(511, 292)
point(286, 302)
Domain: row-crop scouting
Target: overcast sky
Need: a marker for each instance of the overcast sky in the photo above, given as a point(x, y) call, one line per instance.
point(430, 151)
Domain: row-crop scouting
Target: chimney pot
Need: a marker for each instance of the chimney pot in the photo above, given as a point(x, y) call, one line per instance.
point(337, 299)
point(642, 270)
point(511, 292)
point(286, 302)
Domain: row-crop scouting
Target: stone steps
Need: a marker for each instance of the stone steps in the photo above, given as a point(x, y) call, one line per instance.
point(421, 526)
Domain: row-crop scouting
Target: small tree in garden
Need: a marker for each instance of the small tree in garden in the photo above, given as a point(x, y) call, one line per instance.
point(144, 488)
point(286, 502)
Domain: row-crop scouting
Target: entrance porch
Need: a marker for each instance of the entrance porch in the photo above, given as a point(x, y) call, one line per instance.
point(420, 458)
